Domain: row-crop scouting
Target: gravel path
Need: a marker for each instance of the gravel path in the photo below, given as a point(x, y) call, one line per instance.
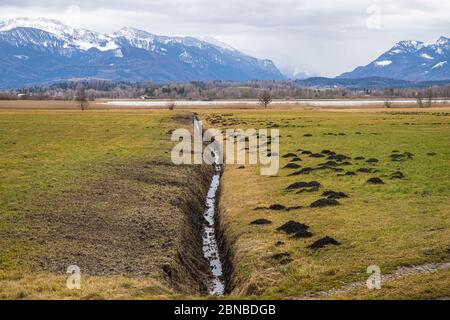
point(399, 273)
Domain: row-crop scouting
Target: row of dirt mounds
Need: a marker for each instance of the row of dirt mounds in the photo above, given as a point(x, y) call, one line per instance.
point(334, 162)
point(135, 219)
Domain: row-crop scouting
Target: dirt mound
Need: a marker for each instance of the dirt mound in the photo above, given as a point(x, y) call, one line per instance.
point(313, 189)
point(350, 173)
point(397, 175)
point(325, 202)
point(323, 242)
point(294, 208)
point(290, 155)
point(372, 160)
point(317, 155)
point(306, 152)
point(296, 159)
point(359, 158)
point(401, 157)
point(338, 157)
point(292, 227)
point(334, 195)
point(299, 185)
point(375, 180)
point(261, 222)
point(292, 166)
point(366, 170)
point(302, 235)
point(330, 164)
point(397, 157)
point(326, 151)
point(307, 170)
point(277, 207)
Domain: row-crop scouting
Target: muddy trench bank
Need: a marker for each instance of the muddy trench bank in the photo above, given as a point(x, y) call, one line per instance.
point(139, 218)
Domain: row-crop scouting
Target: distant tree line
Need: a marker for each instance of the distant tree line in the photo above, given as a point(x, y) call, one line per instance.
point(212, 90)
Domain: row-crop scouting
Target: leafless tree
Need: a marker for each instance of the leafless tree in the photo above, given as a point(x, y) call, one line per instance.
point(171, 105)
point(387, 103)
point(430, 96)
point(81, 98)
point(419, 99)
point(265, 98)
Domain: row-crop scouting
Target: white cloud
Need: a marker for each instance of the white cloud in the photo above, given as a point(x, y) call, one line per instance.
point(319, 36)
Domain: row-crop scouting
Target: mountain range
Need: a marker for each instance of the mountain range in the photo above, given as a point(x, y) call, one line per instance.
point(42, 51)
point(409, 60)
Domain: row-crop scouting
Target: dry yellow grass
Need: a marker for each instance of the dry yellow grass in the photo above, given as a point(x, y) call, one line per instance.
point(405, 222)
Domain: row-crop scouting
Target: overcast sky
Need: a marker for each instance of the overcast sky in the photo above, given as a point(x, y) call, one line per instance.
point(322, 37)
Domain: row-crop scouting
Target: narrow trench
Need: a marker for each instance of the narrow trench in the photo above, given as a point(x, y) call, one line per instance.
point(211, 247)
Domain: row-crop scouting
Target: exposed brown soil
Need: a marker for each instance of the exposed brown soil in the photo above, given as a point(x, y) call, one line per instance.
point(302, 235)
point(301, 184)
point(261, 222)
point(397, 175)
point(293, 227)
point(277, 207)
point(323, 243)
point(290, 155)
point(375, 180)
point(302, 171)
point(312, 189)
point(317, 155)
point(292, 166)
point(334, 195)
point(142, 218)
point(366, 170)
point(324, 203)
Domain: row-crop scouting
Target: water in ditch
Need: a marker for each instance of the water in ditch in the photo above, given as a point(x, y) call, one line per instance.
point(210, 245)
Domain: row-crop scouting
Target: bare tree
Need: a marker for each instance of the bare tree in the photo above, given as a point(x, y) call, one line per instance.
point(265, 98)
point(388, 103)
point(171, 105)
point(81, 98)
point(419, 99)
point(430, 96)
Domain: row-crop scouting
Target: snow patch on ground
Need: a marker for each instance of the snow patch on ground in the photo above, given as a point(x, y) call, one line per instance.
point(440, 65)
point(426, 56)
point(21, 57)
point(383, 63)
point(186, 57)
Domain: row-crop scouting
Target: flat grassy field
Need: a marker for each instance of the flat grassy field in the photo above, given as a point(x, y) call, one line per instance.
point(403, 222)
point(97, 189)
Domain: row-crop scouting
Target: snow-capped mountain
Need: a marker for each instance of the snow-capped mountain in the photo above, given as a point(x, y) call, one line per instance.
point(35, 51)
point(410, 60)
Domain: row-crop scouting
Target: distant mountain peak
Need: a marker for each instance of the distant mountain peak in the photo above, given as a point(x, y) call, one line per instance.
point(33, 51)
point(49, 25)
point(443, 41)
point(410, 60)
